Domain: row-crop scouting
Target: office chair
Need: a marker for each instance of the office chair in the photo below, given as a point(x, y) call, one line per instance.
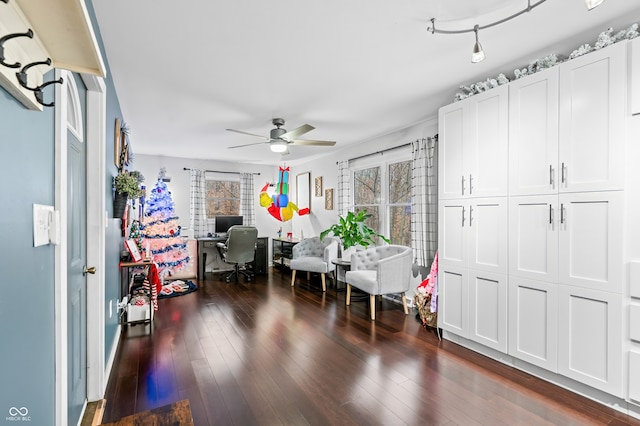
point(239, 249)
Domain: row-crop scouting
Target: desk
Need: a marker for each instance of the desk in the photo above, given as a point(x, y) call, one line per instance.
point(259, 265)
point(207, 243)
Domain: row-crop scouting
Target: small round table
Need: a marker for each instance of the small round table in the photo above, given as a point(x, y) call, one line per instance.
point(344, 265)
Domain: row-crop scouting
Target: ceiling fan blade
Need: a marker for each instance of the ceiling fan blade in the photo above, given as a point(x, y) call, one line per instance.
point(312, 142)
point(291, 135)
point(248, 144)
point(247, 133)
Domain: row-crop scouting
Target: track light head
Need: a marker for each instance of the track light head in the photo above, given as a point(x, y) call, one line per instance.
point(478, 54)
point(592, 4)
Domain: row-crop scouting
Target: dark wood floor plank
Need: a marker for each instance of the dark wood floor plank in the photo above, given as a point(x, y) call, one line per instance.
point(266, 353)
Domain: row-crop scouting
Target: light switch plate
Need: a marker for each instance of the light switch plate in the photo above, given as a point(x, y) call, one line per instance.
point(42, 218)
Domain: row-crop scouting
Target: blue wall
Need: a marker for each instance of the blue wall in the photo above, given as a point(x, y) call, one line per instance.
point(27, 335)
point(27, 309)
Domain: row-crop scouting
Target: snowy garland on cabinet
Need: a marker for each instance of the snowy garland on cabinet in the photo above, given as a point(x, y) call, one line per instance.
point(606, 38)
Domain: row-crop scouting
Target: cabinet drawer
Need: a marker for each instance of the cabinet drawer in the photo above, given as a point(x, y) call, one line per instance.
point(209, 244)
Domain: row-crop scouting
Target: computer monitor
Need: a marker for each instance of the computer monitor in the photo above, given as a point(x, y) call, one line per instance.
point(223, 223)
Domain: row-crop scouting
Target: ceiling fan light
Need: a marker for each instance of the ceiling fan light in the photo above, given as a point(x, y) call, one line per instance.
point(592, 4)
point(278, 146)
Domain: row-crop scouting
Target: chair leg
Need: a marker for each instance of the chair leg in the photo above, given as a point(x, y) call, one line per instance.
point(404, 304)
point(293, 277)
point(348, 294)
point(324, 282)
point(372, 303)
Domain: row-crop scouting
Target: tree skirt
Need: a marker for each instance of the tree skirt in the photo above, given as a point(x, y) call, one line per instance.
point(177, 288)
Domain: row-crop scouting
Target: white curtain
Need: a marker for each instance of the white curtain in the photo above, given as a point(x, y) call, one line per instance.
point(247, 203)
point(197, 210)
point(424, 200)
point(344, 187)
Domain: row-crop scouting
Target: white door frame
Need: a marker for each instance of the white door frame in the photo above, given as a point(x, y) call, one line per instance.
point(96, 223)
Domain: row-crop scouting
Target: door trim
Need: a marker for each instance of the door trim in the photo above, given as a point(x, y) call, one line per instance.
point(96, 222)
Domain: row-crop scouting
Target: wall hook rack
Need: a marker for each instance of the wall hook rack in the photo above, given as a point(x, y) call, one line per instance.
point(40, 95)
point(9, 37)
point(22, 74)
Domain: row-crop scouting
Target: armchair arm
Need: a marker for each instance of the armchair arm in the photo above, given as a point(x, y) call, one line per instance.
point(394, 273)
point(330, 253)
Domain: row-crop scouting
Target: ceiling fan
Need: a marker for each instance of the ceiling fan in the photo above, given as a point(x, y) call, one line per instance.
point(280, 139)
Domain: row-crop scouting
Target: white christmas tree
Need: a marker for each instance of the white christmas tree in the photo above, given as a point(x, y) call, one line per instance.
point(162, 232)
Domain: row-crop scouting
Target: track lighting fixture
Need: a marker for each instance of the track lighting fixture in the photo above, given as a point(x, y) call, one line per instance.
point(592, 4)
point(478, 54)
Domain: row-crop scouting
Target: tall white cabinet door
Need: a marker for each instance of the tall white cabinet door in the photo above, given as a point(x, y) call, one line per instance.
point(590, 338)
point(452, 131)
point(533, 237)
point(592, 120)
point(533, 322)
point(452, 235)
point(453, 298)
point(533, 134)
point(591, 240)
point(488, 309)
point(487, 229)
point(486, 147)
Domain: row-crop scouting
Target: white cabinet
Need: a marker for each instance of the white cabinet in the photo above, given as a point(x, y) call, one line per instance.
point(533, 322)
point(473, 304)
point(474, 147)
point(591, 240)
point(592, 121)
point(634, 377)
point(533, 237)
point(590, 337)
point(473, 233)
point(533, 134)
point(453, 300)
point(488, 309)
point(572, 239)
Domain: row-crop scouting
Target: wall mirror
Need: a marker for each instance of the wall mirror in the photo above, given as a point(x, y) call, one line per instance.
point(303, 190)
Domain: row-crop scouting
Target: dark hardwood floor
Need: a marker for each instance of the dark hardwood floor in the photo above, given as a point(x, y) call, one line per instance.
point(262, 353)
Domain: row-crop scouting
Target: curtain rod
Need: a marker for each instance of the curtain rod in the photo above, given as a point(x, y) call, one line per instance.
point(386, 150)
point(222, 171)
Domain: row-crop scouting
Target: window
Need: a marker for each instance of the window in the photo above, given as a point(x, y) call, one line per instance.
point(384, 190)
point(222, 197)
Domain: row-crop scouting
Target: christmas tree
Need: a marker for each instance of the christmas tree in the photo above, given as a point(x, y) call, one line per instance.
point(162, 232)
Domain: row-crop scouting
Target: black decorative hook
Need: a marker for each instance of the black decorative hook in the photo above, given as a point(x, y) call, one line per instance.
point(9, 37)
point(6, 1)
point(40, 95)
point(22, 75)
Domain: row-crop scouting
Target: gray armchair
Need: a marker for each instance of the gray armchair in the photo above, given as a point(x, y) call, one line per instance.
point(380, 270)
point(314, 255)
point(239, 249)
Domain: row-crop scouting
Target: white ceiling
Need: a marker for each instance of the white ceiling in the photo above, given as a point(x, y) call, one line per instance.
point(185, 71)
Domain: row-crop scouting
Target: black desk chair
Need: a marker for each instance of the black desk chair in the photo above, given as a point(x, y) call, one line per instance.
point(239, 250)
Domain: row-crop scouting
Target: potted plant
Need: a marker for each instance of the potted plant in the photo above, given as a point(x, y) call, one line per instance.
point(353, 231)
point(127, 186)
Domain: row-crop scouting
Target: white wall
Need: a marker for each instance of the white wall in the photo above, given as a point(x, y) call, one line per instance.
point(320, 219)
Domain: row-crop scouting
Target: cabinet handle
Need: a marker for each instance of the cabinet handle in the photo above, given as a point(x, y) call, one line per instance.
point(463, 217)
point(551, 175)
point(470, 216)
point(562, 180)
point(462, 184)
point(561, 213)
point(550, 215)
point(470, 187)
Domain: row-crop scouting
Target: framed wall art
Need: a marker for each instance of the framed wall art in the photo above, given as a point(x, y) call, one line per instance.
point(328, 199)
point(318, 192)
